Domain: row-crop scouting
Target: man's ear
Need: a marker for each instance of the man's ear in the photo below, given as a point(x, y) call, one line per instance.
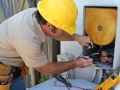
point(48, 26)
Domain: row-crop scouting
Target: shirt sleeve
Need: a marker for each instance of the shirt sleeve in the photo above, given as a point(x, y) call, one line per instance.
point(30, 51)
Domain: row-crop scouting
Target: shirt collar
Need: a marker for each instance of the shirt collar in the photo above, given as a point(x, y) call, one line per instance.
point(39, 30)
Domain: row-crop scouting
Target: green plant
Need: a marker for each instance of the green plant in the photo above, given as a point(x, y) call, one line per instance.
point(43, 79)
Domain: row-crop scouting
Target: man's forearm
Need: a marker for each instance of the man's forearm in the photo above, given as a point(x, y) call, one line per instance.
point(57, 67)
point(82, 40)
point(67, 37)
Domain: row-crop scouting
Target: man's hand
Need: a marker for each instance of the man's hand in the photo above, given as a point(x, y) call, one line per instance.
point(59, 67)
point(84, 62)
point(84, 40)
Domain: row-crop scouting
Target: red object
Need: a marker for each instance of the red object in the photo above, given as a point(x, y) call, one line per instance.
point(84, 57)
point(87, 58)
point(10, 78)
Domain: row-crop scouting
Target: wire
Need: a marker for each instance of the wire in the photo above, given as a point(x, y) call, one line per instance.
point(68, 87)
point(69, 73)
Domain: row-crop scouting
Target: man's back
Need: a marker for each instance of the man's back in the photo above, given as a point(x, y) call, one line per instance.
point(18, 26)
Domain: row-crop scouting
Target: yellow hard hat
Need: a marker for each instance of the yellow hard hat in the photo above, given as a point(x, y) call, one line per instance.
point(60, 13)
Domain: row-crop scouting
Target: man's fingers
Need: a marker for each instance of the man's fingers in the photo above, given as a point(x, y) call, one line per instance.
point(90, 45)
point(89, 63)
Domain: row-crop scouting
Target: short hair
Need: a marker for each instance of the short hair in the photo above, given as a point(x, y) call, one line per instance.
point(39, 17)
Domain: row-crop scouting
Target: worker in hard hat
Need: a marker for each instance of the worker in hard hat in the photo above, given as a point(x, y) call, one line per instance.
point(22, 37)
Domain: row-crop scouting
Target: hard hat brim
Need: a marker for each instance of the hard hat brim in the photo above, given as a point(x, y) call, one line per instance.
point(71, 30)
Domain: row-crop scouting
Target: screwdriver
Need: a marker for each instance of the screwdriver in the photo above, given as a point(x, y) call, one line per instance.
point(10, 78)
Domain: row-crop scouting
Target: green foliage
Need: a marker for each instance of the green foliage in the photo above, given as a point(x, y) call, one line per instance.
point(43, 79)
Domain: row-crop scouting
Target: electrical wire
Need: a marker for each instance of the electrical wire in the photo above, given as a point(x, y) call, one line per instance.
point(69, 73)
point(68, 87)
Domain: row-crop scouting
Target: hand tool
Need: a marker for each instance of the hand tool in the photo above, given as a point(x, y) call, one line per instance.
point(63, 80)
point(10, 78)
point(93, 54)
point(89, 45)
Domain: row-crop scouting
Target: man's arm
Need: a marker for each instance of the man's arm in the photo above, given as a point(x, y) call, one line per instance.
point(67, 37)
point(59, 67)
point(82, 40)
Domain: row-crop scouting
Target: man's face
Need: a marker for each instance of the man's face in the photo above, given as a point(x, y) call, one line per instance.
point(55, 32)
point(51, 30)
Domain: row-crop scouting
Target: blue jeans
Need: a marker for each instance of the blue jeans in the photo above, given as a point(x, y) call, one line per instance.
point(18, 84)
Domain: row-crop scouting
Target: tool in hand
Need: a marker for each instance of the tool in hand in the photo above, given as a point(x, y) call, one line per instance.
point(84, 57)
point(63, 80)
point(10, 78)
point(89, 45)
point(93, 54)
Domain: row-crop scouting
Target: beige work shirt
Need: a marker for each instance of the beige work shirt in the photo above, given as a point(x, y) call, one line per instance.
point(21, 38)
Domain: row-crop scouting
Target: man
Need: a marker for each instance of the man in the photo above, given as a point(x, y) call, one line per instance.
point(22, 37)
